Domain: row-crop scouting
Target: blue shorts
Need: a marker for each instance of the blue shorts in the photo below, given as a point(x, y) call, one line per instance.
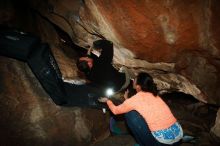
point(170, 135)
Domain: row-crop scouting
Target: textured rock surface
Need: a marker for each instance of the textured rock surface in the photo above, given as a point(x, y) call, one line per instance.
point(216, 128)
point(177, 34)
point(29, 116)
point(176, 41)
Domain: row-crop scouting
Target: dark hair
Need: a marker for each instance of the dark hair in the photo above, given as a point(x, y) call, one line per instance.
point(100, 44)
point(83, 66)
point(147, 83)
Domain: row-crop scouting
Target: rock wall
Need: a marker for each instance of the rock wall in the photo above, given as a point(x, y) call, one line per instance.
point(28, 115)
point(176, 41)
point(216, 128)
point(182, 34)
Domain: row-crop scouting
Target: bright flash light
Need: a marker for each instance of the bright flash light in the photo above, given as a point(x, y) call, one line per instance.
point(109, 92)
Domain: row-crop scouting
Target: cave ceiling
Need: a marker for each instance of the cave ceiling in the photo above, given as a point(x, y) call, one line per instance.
point(176, 41)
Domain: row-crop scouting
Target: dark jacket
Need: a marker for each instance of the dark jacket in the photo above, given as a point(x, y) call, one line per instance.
point(103, 74)
point(29, 48)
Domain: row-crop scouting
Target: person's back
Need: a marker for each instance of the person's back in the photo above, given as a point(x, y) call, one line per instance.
point(106, 76)
point(147, 115)
point(153, 109)
point(102, 73)
point(39, 57)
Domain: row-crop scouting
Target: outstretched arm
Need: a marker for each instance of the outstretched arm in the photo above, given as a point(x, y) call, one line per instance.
point(120, 109)
point(93, 53)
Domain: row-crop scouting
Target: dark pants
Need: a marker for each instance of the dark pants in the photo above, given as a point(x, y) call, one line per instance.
point(40, 59)
point(45, 68)
point(82, 96)
point(141, 131)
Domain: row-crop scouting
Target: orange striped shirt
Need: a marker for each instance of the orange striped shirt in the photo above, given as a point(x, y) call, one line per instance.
point(153, 109)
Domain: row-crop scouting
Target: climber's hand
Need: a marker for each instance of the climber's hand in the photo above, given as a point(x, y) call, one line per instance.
point(103, 99)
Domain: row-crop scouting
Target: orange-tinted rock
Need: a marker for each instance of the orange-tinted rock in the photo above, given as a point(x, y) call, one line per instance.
point(185, 33)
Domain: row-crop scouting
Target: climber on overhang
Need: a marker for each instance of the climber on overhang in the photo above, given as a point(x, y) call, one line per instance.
point(28, 48)
point(99, 70)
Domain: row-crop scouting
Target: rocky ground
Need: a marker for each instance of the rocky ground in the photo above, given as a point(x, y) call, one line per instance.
point(196, 119)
